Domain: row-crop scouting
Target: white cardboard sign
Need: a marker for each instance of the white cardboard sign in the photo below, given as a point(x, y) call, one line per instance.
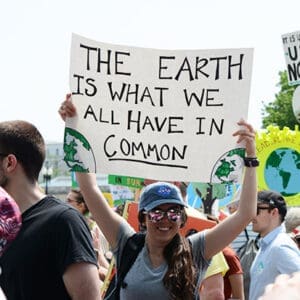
point(291, 47)
point(151, 113)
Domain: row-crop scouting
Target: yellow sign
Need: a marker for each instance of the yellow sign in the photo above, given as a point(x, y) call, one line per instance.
point(279, 155)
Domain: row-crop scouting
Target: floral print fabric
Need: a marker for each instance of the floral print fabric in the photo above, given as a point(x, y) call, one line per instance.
point(10, 220)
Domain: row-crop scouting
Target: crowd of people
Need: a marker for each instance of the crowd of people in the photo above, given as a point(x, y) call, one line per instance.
point(59, 247)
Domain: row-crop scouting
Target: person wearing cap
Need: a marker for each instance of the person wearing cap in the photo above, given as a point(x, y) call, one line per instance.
point(169, 266)
point(277, 254)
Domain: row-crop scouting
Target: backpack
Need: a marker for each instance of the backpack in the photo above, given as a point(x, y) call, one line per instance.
point(247, 253)
point(130, 252)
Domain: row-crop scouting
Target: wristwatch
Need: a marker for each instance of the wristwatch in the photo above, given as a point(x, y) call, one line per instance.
point(251, 162)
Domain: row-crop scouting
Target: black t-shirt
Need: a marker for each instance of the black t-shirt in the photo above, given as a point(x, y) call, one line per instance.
point(53, 236)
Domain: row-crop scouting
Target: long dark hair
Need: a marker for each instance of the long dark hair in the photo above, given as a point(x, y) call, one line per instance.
point(180, 277)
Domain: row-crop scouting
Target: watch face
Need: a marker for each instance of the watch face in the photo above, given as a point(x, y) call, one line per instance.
point(255, 163)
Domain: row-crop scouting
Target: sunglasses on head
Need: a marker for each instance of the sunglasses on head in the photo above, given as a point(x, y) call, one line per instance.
point(156, 215)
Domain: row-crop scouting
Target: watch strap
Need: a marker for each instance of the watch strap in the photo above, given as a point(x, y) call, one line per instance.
point(251, 162)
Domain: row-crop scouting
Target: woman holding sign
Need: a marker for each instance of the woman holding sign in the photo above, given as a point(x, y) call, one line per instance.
point(168, 266)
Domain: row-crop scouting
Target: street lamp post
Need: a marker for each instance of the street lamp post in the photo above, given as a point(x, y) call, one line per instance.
point(47, 173)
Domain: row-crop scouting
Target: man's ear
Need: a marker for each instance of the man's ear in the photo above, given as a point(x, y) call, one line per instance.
point(10, 162)
point(82, 206)
point(277, 211)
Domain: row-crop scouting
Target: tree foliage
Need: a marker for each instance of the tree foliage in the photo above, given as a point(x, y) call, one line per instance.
point(280, 111)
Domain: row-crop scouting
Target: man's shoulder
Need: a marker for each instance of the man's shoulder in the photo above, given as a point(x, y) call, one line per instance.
point(52, 204)
point(51, 208)
point(282, 239)
point(62, 209)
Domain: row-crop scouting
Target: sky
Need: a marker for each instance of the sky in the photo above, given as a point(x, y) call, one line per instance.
point(36, 40)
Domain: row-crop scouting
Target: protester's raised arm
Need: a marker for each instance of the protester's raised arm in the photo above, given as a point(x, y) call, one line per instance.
point(225, 232)
point(105, 217)
point(103, 214)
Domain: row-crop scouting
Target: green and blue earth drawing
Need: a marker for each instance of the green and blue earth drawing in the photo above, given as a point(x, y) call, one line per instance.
point(75, 143)
point(229, 167)
point(282, 171)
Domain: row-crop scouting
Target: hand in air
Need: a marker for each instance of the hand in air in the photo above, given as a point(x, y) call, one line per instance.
point(67, 108)
point(246, 134)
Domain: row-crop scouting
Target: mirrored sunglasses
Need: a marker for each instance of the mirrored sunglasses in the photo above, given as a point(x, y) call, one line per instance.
point(156, 215)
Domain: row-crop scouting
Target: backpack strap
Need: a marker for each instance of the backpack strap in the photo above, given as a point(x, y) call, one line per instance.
point(130, 252)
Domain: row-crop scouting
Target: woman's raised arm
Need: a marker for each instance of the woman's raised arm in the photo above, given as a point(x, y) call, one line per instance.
point(226, 231)
point(103, 214)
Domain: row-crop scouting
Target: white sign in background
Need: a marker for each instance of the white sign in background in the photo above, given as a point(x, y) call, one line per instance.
point(291, 47)
point(150, 113)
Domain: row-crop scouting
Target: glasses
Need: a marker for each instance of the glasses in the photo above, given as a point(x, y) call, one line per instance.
point(156, 215)
point(259, 208)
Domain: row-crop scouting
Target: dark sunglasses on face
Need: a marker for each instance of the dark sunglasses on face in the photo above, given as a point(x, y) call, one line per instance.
point(259, 208)
point(156, 215)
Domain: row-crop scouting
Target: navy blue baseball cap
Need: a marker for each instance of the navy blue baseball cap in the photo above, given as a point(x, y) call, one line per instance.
point(274, 199)
point(159, 193)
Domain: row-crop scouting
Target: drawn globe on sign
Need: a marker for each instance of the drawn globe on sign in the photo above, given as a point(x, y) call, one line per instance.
point(282, 171)
point(229, 167)
point(79, 155)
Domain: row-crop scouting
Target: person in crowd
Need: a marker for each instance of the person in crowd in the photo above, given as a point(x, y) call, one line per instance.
point(296, 239)
point(245, 245)
point(52, 256)
point(278, 254)
point(169, 266)
point(212, 286)
point(100, 244)
point(285, 287)
point(10, 224)
point(247, 233)
point(233, 278)
point(292, 219)
point(10, 220)
point(292, 224)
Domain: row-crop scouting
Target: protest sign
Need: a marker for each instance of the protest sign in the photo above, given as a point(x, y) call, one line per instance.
point(291, 47)
point(279, 154)
point(296, 103)
point(161, 114)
